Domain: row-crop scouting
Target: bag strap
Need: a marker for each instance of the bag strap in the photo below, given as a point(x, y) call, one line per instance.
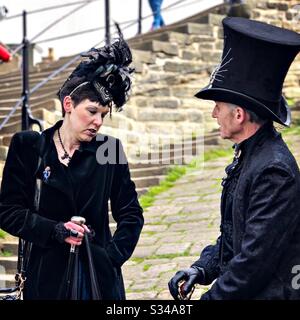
point(24, 248)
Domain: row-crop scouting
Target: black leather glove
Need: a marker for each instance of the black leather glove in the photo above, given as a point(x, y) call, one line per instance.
point(190, 276)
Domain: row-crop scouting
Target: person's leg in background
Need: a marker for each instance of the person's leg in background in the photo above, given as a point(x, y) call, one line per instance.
point(158, 20)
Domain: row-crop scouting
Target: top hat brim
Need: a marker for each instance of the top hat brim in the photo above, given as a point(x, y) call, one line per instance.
point(247, 102)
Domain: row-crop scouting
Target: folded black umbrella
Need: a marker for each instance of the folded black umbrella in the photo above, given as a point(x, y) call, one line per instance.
point(74, 276)
point(95, 291)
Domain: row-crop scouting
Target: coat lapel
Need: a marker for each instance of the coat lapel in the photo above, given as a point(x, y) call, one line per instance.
point(58, 178)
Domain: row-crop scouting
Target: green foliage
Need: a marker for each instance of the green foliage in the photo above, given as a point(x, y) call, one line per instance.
point(5, 253)
point(291, 102)
point(2, 234)
point(146, 267)
point(217, 153)
point(137, 260)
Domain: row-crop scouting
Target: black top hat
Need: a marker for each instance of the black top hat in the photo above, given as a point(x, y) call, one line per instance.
point(256, 58)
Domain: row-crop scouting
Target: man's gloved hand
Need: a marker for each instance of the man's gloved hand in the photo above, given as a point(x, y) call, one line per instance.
point(190, 276)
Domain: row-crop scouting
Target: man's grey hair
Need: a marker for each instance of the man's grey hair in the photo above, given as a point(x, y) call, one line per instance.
point(253, 117)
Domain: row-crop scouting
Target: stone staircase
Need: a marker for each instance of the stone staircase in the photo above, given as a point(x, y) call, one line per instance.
point(171, 64)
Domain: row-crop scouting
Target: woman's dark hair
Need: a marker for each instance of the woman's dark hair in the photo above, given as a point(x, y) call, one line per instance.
point(80, 94)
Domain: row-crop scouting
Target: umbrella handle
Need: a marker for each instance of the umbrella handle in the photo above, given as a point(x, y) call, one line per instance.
point(73, 251)
point(80, 221)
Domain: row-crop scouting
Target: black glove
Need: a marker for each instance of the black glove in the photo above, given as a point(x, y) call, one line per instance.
point(190, 276)
point(60, 232)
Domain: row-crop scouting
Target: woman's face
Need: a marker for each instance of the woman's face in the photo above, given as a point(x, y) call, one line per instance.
point(86, 119)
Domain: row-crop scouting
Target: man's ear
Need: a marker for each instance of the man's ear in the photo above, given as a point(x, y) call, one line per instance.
point(68, 104)
point(240, 115)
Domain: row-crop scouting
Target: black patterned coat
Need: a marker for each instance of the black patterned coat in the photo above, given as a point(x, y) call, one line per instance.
point(266, 227)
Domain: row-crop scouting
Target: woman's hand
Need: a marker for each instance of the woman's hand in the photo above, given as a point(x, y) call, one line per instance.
point(76, 233)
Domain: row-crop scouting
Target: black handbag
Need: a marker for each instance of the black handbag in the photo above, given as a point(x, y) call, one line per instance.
point(24, 250)
point(16, 292)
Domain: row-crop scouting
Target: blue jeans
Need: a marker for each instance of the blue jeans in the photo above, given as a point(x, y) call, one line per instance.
point(158, 20)
point(235, 1)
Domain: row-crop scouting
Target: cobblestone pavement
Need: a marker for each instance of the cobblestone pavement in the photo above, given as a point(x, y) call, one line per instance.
point(181, 222)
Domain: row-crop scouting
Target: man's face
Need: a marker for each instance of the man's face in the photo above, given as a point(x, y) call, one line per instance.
point(225, 116)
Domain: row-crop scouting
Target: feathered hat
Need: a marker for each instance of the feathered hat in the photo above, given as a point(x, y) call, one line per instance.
point(107, 70)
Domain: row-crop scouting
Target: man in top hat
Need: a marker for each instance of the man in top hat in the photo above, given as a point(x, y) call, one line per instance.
point(257, 255)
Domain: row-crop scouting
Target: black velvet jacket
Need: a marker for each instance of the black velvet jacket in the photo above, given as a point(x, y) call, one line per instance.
point(266, 227)
point(87, 195)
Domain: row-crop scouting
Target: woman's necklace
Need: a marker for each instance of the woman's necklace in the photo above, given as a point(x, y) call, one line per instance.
point(66, 155)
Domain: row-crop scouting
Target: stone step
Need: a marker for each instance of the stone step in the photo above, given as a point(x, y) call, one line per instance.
point(5, 139)
point(14, 123)
point(10, 246)
point(214, 19)
point(182, 90)
point(1, 172)
point(195, 103)
point(3, 153)
point(201, 17)
point(49, 104)
point(141, 191)
point(49, 87)
point(156, 76)
point(158, 46)
point(195, 28)
point(188, 66)
point(9, 103)
point(180, 39)
point(6, 280)
point(143, 56)
point(14, 88)
point(9, 264)
point(146, 172)
point(146, 182)
point(16, 83)
point(47, 118)
point(40, 113)
point(141, 165)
